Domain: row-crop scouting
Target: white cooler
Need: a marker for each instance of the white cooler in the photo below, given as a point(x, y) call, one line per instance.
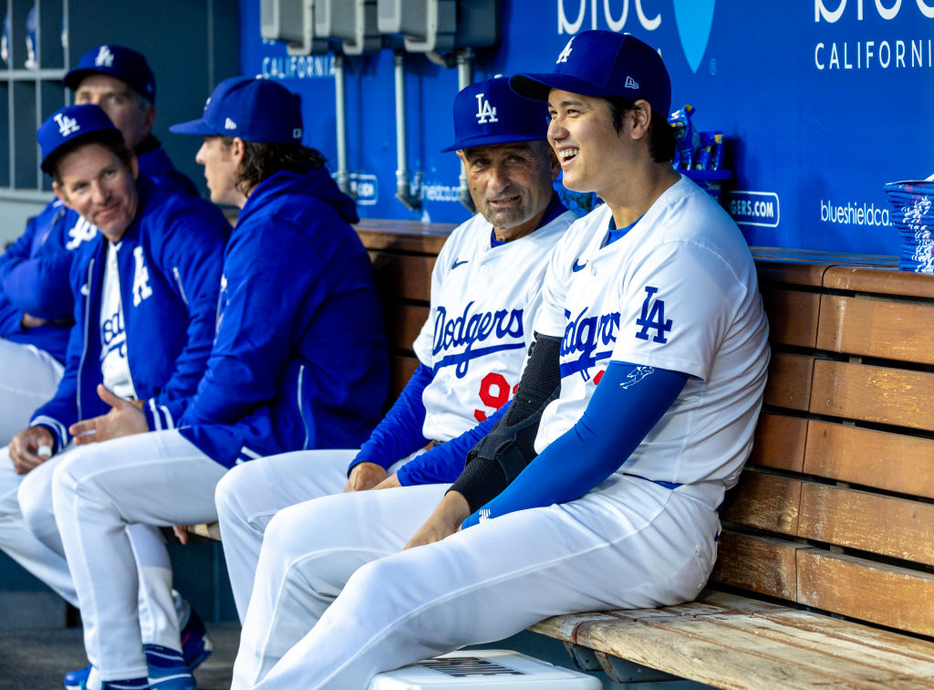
point(490, 669)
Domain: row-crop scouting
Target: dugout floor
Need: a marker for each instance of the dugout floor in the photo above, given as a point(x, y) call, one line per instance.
point(36, 659)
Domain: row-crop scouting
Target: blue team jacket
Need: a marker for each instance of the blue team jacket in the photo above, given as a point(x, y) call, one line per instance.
point(169, 263)
point(34, 270)
point(300, 358)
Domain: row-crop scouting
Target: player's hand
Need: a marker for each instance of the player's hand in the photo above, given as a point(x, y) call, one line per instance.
point(30, 448)
point(390, 482)
point(364, 476)
point(181, 531)
point(444, 521)
point(29, 321)
point(124, 419)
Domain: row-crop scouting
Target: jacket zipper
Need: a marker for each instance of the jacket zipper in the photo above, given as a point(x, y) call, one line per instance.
point(178, 279)
point(87, 331)
point(301, 406)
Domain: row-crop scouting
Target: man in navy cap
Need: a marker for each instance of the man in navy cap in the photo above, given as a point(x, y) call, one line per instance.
point(299, 361)
point(145, 290)
point(485, 292)
point(644, 383)
point(35, 300)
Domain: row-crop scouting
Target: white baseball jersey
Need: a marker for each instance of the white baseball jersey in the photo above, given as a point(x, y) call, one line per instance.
point(678, 292)
point(483, 304)
point(115, 367)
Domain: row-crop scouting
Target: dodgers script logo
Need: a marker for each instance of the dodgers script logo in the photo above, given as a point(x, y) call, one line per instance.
point(485, 112)
point(582, 336)
point(463, 332)
point(113, 336)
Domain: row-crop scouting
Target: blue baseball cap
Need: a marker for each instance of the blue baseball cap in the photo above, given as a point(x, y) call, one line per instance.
point(121, 63)
point(252, 109)
point(489, 112)
point(601, 64)
point(70, 125)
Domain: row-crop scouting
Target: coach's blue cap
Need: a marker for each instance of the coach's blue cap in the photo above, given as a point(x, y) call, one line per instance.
point(71, 124)
point(121, 63)
point(604, 63)
point(489, 112)
point(252, 109)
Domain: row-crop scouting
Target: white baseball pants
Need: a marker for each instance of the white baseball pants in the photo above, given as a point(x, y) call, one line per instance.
point(28, 378)
point(29, 534)
point(157, 479)
point(335, 605)
point(250, 494)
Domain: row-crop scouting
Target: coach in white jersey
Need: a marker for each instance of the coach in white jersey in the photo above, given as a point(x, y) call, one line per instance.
point(485, 291)
point(653, 335)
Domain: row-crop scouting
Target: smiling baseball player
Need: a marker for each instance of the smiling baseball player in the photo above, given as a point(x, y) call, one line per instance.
point(299, 360)
point(653, 337)
point(35, 298)
point(144, 289)
point(485, 290)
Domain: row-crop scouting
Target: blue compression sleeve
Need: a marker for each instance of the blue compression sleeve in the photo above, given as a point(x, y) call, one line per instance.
point(443, 464)
point(400, 431)
point(629, 401)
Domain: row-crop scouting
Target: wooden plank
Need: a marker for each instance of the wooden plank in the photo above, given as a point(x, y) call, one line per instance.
point(759, 564)
point(780, 442)
point(766, 502)
point(879, 281)
point(401, 235)
point(886, 525)
point(877, 328)
point(563, 627)
point(789, 383)
point(793, 316)
point(875, 592)
point(873, 394)
point(403, 275)
point(727, 652)
point(851, 454)
point(401, 368)
point(404, 321)
point(805, 274)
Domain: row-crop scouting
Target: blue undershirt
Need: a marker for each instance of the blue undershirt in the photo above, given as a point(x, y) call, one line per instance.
point(400, 434)
point(622, 411)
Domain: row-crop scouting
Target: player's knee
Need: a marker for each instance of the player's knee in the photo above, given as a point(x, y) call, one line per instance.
point(228, 492)
point(35, 504)
point(287, 534)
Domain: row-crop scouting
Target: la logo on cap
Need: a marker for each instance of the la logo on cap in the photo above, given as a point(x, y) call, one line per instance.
point(66, 125)
point(485, 112)
point(104, 57)
point(565, 54)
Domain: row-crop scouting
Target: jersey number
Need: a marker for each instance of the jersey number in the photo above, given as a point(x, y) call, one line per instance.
point(494, 392)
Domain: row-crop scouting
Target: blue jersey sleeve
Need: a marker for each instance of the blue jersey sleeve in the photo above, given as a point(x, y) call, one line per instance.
point(616, 420)
point(443, 464)
point(193, 257)
point(400, 431)
point(34, 270)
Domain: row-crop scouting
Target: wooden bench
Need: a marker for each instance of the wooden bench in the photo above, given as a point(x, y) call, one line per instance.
point(832, 524)
point(826, 568)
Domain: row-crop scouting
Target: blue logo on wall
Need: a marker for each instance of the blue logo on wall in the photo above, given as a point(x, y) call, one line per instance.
point(755, 208)
point(694, 18)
